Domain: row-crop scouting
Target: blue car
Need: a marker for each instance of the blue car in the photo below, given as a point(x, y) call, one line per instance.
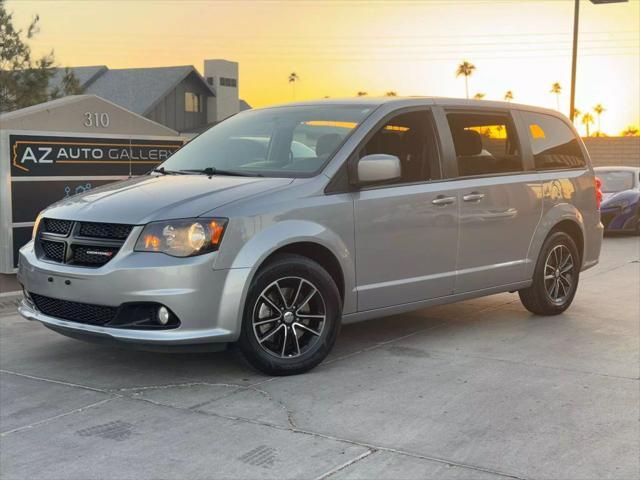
point(620, 208)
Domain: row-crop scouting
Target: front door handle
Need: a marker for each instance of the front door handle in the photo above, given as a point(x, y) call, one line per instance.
point(473, 197)
point(441, 200)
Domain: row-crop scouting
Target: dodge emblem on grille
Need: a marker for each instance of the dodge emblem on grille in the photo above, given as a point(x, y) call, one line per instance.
point(100, 253)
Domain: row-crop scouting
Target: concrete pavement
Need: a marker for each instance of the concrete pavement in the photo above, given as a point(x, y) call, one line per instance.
point(479, 389)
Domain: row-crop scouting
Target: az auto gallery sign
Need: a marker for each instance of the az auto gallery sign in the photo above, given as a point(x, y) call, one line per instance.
point(64, 156)
point(46, 168)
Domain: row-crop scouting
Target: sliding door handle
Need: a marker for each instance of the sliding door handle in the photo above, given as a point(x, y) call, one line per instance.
point(473, 197)
point(441, 200)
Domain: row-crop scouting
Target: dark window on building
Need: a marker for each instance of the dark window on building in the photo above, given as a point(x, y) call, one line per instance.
point(228, 82)
point(192, 102)
point(485, 143)
point(554, 144)
point(408, 136)
point(210, 80)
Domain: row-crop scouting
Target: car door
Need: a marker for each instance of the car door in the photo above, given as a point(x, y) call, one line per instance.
point(499, 195)
point(406, 231)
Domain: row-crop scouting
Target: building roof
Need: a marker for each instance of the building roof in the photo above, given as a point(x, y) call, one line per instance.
point(85, 75)
point(139, 89)
point(136, 89)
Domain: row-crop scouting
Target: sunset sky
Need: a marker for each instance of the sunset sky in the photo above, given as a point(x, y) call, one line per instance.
point(341, 47)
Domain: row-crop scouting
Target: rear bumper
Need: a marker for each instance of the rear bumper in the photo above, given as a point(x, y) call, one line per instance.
point(206, 301)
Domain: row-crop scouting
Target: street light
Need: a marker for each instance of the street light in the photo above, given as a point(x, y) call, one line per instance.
point(574, 59)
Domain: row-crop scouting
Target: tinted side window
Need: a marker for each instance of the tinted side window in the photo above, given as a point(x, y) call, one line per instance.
point(485, 144)
point(408, 136)
point(553, 143)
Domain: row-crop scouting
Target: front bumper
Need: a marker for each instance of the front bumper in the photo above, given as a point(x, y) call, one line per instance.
point(206, 301)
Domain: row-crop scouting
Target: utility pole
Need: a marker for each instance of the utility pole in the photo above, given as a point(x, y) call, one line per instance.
point(574, 54)
point(574, 60)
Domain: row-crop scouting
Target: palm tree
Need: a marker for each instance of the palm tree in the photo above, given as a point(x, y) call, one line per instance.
point(361, 94)
point(599, 109)
point(466, 69)
point(630, 131)
point(576, 114)
point(478, 96)
point(508, 96)
point(293, 78)
point(391, 93)
point(557, 89)
point(587, 119)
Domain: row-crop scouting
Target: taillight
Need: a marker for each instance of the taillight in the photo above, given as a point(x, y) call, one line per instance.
point(598, 192)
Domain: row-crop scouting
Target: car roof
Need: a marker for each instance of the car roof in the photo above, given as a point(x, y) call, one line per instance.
point(417, 101)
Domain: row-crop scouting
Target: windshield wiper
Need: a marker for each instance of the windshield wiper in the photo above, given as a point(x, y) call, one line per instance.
point(162, 171)
point(210, 171)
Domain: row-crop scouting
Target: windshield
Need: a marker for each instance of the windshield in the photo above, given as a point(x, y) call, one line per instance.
point(278, 142)
point(613, 181)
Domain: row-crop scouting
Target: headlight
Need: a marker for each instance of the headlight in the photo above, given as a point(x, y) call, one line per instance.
point(182, 238)
point(35, 226)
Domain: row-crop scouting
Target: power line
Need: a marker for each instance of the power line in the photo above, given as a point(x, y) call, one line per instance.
point(323, 37)
point(608, 43)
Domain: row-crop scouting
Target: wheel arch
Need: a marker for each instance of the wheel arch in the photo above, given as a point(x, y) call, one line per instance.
point(306, 238)
point(316, 252)
point(563, 217)
point(571, 228)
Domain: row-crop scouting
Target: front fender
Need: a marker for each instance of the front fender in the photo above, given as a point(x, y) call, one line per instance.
point(263, 243)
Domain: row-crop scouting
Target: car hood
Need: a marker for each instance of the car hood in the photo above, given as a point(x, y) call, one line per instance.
point(148, 198)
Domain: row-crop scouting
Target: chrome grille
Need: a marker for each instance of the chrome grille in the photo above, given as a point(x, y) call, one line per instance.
point(85, 244)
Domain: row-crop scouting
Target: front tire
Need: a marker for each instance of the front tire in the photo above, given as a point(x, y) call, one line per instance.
point(291, 316)
point(555, 279)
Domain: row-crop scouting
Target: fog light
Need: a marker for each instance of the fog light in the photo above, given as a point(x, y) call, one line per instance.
point(162, 315)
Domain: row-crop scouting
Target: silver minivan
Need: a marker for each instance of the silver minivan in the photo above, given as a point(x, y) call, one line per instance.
point(277, 225)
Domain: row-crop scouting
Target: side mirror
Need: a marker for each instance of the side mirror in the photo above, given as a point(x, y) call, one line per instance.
point(378, 167)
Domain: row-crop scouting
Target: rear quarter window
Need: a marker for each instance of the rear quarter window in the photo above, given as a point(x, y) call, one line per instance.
point(485, 143)
point(553, 143)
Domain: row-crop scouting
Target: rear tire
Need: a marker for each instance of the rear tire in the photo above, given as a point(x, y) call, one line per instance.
point(555, 279)
point(291, 316)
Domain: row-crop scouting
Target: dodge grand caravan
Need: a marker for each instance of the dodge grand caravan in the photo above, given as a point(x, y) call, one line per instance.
point(277, 225)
